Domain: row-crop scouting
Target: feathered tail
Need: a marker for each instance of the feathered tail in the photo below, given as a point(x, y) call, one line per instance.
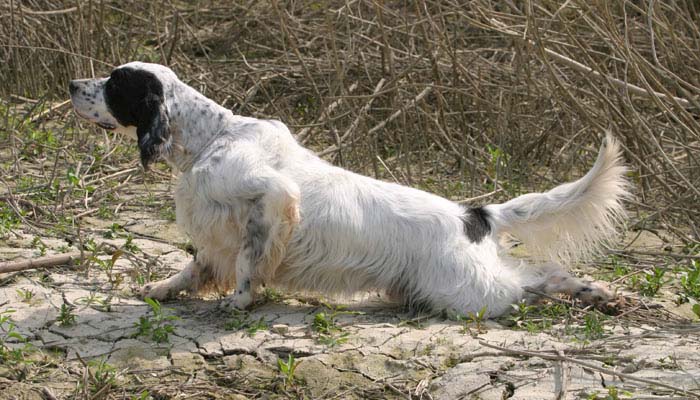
point(572, 220)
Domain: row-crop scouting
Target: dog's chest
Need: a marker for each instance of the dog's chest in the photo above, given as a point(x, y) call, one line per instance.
point(209, 224)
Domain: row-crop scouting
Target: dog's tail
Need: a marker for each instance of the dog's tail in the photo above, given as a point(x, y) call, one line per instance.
point(572, 220)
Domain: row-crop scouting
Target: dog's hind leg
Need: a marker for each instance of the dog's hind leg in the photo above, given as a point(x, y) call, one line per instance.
point(556, 280)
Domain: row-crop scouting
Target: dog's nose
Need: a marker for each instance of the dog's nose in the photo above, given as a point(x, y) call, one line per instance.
point(72, 87)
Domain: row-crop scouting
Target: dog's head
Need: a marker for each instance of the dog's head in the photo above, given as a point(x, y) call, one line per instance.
point(131, 101)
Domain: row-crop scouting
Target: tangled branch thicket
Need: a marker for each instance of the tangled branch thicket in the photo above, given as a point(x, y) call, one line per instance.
point(461, 98)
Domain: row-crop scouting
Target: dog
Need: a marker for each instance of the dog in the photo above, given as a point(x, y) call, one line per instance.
point(263, 210)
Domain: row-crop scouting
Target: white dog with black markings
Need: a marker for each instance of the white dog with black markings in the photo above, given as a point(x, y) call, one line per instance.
point(261, 209)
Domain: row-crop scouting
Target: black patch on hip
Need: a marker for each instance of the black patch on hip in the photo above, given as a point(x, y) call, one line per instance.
point(476, 224)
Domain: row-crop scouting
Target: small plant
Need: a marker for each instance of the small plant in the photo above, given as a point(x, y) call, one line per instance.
point(129, 244)
point(540, 325)
point(15, 357)
point(168, 213)
point(288, 368)
point(66, 316)
point(158, 326)
point(115, 230)
point(690, 283)
point(478, 319)
point(38, 244)
point(696, 310)
point(271, 295)
point(613, 394)
point(144, 395)
point(26, 295)
point(522, 311)
point(325, 323)
point(652, 282)
point(619, 270)
point(97, 302)
point(334, 340)
point(241, 320)
point(593, 325)
point(104, 376)
point(108, 266)
point(8, 219)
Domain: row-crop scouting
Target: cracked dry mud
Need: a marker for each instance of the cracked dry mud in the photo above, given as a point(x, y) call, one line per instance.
point(383, 353)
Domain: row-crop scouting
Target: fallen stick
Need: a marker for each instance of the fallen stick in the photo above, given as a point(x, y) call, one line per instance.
point(563, 358)
point(41, 262)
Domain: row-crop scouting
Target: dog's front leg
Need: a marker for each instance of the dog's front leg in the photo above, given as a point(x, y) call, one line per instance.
point(268, 229)
point(169, 288)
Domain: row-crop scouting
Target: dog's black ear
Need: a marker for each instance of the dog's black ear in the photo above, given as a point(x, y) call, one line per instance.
point(135, 98)
point(153, 128)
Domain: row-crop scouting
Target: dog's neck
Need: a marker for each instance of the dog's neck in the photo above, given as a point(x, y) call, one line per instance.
point(195, 122)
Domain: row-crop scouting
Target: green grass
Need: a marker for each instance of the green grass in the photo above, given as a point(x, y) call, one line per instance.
point(158, 326)
point(593, 325)
point(13, 355)
point(325, 323)
point(103, 376)
point(690, 282)
point(241, 321)
point(288, 368)
point(26, 295)
point(95, 301)
point(9, 221)
point(652, 282)
point(477, 319)
point(66, 317)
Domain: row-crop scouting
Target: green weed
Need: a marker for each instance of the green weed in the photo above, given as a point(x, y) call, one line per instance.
point(26, 295)
point(95, 301)
point(108, 265)
point(325, 323)
point(38, 244)
point(105, 212)
point(288, 368)
point(613, 394)
point(593, 325)
point(690, 283)
point(157, 326)
point(115, 230)
point(104, 376)
point(144, 395)
point(8, 220)
point(241, 320)
point(129, 245)
point(168, 213)
point(477, 319)
point(13, 356)
point(696, 310)
point(652, 282)
point(522, 311)
point(66, 317)
point(271, 295)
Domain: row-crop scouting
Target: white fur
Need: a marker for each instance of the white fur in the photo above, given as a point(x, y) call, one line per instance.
point(333, 231)
point(572, 220)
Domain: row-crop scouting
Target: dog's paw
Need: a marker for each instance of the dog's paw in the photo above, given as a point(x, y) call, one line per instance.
point(595, 293)
point(156, 291)
point(238, 301)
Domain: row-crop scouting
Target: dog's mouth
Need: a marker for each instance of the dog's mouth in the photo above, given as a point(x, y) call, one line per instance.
point(104, 125)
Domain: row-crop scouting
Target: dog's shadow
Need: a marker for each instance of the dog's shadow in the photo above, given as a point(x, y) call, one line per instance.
point(297, 325)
